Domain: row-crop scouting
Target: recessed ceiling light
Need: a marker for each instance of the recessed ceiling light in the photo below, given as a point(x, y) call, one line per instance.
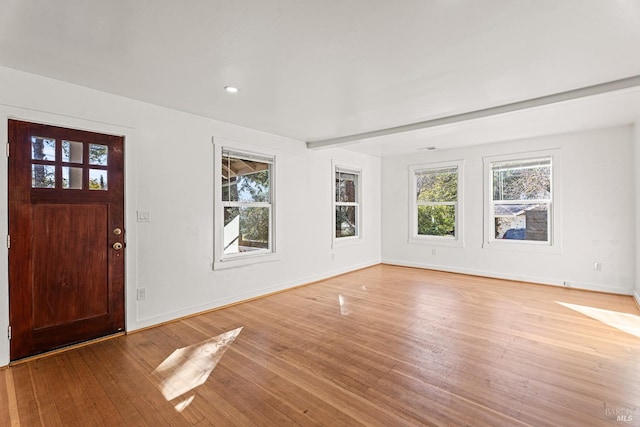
point(231, 89)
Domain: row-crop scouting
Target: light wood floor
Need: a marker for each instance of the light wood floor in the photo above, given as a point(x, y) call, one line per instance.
point(386, 345)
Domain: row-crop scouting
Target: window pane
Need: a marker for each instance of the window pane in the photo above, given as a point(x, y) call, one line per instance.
point(43, 148)
point(346, 221)
point(346, 187)
point(245, 180)
point(437, 186)
point(437, 220)
point(72, 178)
point(522, 222)
point(72, 152)
point(43, 176)
point(98, 154)
point(526, 180)
point(98, 179)
point(246, 229)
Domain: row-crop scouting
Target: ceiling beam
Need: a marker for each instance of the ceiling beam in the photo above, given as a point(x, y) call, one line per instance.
point(582, 92)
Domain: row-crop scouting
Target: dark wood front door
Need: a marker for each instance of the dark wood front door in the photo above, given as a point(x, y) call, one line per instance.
point(66, 227)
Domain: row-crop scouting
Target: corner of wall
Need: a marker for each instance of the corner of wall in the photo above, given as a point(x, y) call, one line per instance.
point(636, 149)
point(4, 253)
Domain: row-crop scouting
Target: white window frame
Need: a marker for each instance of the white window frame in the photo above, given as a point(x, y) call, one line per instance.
point(554, 210)
point(222, 260)
point(414, 237)
point(337, 167)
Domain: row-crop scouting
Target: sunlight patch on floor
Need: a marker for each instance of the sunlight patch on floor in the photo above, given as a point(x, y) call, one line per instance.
point(344, 306)
point(189, 367)
point(182, 405)
point(625, 322)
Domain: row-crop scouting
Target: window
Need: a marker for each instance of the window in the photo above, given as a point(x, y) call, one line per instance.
point(245, 205)
point(346, 203)
point(435, 203)
point(62, 164)
point(521, 199)
point(522, 204)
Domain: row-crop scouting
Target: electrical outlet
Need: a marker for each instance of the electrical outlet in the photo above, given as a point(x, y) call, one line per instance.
point(434, 252)
point(567, 284)
point(597, 266)
point(142, 294)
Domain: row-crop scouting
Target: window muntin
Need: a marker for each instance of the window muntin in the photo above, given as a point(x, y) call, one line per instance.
point(62, 164)
point(346, 203)
point(246, 193)
point(521, 200)
point(435, 210)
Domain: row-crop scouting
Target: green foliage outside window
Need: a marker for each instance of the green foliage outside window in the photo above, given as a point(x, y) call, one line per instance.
point(437, 220)
point(437, 195)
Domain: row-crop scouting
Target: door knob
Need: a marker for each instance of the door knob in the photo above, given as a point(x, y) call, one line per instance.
point(117, 246)
point(117, 231)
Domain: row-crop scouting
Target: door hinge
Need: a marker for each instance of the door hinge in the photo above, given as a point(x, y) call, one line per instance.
point(9, 332)
point(7, 149)
point(8, 241)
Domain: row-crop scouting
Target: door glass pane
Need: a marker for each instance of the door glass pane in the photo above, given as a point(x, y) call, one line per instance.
point(72, 178)
point(72, 152)
point(43, 148)
point(246, 229)
point(98, 154)
point(43, 176)
point(97, 179)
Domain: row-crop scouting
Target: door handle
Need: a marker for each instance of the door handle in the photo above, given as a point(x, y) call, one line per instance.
point(117, 246)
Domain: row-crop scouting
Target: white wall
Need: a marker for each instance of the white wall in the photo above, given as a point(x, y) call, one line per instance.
point(597, 217)
point(169, 173)
point(636, 147)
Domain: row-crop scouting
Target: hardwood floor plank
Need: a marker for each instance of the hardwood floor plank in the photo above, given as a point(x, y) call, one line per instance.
point(51, 394)
point(28, 412)
point(121, 360)
point(381, 346)
point(120, 401)
point(9, 415)
point(351, 404)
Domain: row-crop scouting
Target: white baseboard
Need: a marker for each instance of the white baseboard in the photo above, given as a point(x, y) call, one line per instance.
point(507, 276)
point(190, 311)
point(147, 322)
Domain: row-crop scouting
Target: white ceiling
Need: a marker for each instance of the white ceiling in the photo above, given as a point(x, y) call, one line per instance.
point(316, 70)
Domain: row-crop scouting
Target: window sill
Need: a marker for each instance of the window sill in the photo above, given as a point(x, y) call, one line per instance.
point(437, 241)
point(242, 261)
point(346, 241)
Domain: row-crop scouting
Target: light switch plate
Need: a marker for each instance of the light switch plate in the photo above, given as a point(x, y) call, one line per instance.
point(144, 216)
